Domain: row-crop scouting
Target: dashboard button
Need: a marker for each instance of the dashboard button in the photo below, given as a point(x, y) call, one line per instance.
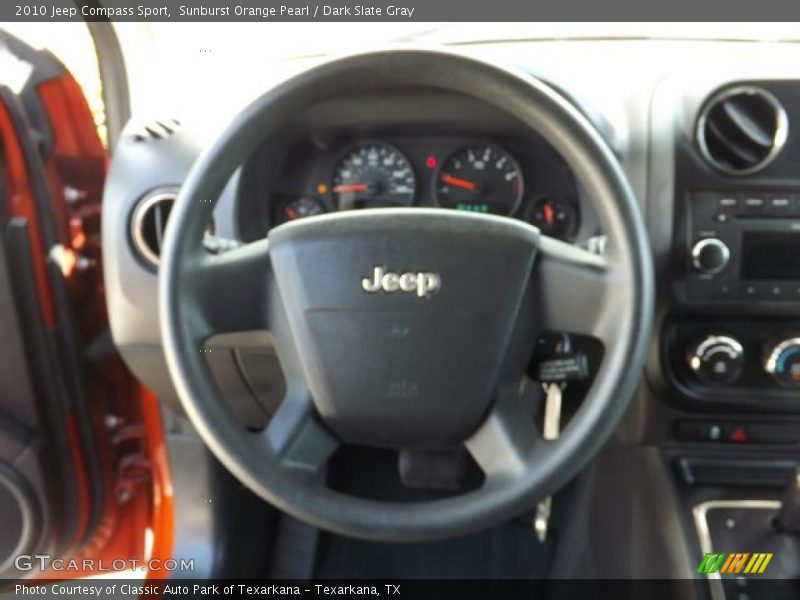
point(698, 431)
point(723, 431)
point(774, 291)
point(728, 202)
point(753, 203)
point(738, 435)
point(780, 203)
point(710, 255)
point(753, 206)
point(749, 291)
point(726, 291)
point(782, 361)
point(717, 359)
point(721, 218)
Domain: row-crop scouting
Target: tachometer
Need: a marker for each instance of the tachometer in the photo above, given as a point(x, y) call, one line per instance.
point(480, 178)
point(372, 176)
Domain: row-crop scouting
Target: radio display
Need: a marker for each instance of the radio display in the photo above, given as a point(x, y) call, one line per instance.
point(771, 256)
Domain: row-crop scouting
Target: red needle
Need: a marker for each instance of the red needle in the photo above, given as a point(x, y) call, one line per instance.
point(455, 181)
point(352, 188)
point(549, 215)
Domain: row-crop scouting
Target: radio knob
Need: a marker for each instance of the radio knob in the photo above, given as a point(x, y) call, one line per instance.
point(717, 359)
point(783, 361)
point(710, 255)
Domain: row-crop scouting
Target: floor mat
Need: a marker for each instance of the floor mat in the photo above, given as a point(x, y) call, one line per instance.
point(510, 551)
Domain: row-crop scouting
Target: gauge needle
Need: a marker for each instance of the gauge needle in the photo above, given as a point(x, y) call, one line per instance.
point(350, 188)
point(549, 215)
point(456, 182)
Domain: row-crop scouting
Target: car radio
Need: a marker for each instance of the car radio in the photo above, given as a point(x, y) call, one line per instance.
point(743, 246)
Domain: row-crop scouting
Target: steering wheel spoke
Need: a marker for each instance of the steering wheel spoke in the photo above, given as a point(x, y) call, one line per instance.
point(296, 437)
point(230, 289)
point(504, 443)
point(574, 289)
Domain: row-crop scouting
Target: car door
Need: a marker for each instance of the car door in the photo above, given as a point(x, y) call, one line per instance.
point(75, 474)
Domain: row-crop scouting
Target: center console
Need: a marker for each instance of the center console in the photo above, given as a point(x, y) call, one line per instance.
point(742, 256)
point(729, 337)
point(733, 335)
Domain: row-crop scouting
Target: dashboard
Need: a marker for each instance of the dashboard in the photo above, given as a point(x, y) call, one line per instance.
point(513, 176)
point(410, 147)
point(719, 395)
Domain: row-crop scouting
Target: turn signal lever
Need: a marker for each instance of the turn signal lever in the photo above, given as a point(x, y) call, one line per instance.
point(788, 517)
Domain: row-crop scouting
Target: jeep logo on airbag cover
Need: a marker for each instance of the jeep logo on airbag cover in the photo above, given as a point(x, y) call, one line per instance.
point(423, 283)
point(400, 320)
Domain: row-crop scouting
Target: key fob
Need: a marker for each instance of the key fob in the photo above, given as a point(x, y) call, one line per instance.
point(563, 369)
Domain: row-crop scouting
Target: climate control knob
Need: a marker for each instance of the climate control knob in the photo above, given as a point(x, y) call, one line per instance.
point(783, 361)
point(716, 359)
point(710, 255)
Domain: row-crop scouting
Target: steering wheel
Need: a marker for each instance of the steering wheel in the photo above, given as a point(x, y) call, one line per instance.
point(408, 327)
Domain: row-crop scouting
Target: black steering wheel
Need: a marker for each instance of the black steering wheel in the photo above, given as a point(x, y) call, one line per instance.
point(407, 328)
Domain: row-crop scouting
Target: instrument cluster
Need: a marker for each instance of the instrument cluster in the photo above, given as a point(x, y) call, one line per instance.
point(474, 175)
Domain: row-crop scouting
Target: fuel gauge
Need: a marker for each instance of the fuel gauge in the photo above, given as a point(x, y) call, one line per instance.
point(300, 208)
point(556, 218)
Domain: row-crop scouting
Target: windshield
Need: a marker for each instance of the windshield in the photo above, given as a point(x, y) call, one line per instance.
point(209, 71)
point(295, 40)
point(177, 67)
point(465, 33)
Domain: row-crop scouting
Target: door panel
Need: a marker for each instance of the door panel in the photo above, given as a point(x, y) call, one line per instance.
point(38, 393)
point(77, 431)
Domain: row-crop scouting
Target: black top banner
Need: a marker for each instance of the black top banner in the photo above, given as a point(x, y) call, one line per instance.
point(398, 10)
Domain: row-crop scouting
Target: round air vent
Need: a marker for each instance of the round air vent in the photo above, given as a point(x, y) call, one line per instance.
point(741, 130)
point(149, 222)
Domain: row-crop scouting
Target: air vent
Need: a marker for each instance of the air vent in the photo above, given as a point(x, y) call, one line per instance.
point(157, 130)
point(149, 222)
point(741, 130)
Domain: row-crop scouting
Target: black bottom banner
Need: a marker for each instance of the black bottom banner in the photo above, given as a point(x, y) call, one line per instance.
point(579, 589)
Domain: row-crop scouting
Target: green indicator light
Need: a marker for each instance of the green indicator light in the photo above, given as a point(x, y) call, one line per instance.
point(479, 208)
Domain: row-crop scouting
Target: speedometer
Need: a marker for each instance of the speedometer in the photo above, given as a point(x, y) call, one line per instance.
point(372, 176)
point(481, 178)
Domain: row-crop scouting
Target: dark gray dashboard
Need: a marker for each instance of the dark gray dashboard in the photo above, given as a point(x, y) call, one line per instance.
point(639, 93)
point(150, 164)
